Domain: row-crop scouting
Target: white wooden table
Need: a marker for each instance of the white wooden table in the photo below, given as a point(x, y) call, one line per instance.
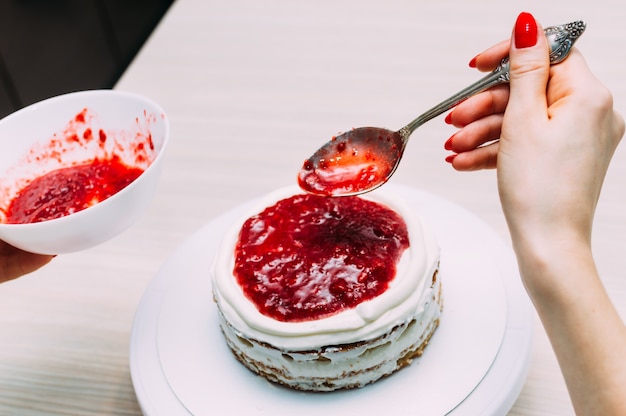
point(251, 89)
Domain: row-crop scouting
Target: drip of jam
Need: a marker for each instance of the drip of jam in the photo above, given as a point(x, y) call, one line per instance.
point(68, 190)
point(309, 257)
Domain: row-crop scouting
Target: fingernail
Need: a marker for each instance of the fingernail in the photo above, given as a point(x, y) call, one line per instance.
point(448, 144)
point(450, 158)
point(448, 119)
point(525, 31)
point(472, 62)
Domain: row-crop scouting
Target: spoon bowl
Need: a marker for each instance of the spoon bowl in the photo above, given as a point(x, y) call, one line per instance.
point(364, 158)
point(357, 160)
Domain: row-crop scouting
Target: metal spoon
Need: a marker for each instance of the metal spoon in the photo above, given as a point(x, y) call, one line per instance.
point(364, 158)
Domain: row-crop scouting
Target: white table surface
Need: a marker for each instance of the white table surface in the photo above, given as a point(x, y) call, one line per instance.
point(252, 88)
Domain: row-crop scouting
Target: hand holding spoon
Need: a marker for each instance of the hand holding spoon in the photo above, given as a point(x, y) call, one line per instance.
point(364, 158)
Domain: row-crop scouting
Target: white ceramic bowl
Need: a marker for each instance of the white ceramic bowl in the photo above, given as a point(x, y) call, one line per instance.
point(130, 122)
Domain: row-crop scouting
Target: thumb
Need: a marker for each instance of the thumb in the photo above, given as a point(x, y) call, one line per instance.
point(529, 69)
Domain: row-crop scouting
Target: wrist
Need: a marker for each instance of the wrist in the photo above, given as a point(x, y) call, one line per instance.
point(555, 268)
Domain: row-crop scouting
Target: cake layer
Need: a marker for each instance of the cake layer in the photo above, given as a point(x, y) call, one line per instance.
point(345, 366)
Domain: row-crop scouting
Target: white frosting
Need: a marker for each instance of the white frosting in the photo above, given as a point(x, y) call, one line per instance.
point(335, 368)
point(407, 298)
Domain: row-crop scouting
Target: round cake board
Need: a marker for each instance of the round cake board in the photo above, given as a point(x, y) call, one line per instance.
point(477, 359)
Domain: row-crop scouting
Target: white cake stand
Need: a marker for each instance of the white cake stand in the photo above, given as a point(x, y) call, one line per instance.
point(475, 364)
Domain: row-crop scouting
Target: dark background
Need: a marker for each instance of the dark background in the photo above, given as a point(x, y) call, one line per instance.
point(51, 47)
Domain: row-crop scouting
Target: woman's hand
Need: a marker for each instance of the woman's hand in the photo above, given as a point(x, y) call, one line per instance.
point(552, 145)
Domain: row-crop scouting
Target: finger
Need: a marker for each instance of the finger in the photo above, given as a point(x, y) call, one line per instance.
point(491, 58)
point(492, 101)
point(484, 157)
point(15, 262)
point(529, 71)
point(476, 134)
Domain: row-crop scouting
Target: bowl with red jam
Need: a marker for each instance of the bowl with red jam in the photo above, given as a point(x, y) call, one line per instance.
point(78, 169)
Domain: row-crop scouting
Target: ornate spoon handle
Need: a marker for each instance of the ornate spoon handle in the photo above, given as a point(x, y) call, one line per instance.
point(560, 38)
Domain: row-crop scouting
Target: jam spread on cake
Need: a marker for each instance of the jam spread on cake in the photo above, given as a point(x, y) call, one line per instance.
point(308, 257)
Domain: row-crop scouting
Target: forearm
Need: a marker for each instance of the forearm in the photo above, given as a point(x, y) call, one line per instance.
point(585, 330)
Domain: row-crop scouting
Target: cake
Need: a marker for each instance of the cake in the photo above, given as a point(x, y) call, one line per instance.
point(318, 293)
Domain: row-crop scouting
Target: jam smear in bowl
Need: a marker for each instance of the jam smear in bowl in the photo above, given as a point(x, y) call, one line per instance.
point(78, 169)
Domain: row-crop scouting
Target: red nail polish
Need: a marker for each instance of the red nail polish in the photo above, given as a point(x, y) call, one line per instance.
point(448, 144)
point(472, 63)
point(525, 31)
point(448, 119)
point(450, 158)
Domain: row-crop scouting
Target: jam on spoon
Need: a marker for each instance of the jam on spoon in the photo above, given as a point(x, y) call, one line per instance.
point(364, 158)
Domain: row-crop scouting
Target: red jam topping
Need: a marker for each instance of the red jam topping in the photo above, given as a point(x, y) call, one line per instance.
point(82, 165)
point(308, 257)
point(68, 190)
